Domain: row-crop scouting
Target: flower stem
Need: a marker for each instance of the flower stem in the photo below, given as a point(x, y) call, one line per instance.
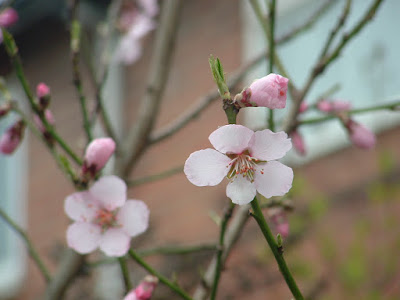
point(125, 273)
point(276, 250)
point(163, 279)
point(271, 44)
point(218, 268)
point(31, 249)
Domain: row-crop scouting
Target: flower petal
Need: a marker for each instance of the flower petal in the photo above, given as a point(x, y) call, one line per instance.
point(81, 206)
point(273, 179)
point(83, 237)
point(134, 217)
point(110, 191)
point(206, 167)
point(267, 145)
point(115, 242)
point(241, 190)
point(231, 138)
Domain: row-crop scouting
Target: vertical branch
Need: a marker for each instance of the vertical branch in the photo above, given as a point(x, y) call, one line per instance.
point(76, 72)
point(138, 137)
point(31, 249)
point(271, 43)
point(125, 273)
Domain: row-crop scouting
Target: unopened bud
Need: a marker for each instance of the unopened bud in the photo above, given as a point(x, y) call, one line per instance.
point(12, 137)
point(298, 142)
point(97, 154)
point(303, 107)
point(360, 135)
point(279, 220)
point(43, 93)
point(144, 290)
point(8, 17)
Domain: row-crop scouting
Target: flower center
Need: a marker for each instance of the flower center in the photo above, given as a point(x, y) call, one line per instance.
point(106, 218)
point(243, 164)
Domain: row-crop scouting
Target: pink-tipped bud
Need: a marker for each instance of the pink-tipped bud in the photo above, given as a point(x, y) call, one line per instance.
point(298, 142)
point(43, 93)
point(8, 17)
point(269, 91)
point(97, 154)
point(324, 106)
point(12, 137)
point(280, 221)
point(49, 118)
point(360, 135)
point(303, 107)
point(144, 290)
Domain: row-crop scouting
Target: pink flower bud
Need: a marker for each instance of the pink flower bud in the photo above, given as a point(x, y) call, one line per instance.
point(360, 135)
point(324, 106)
point(12, 137)
point(269, 91)
point(97, 154)
point(298, 142)
point(303, 107)
point(42, 90)
point(341, 105)
point(144, 290)
point(8, 17)
point(49, 118)
point(279, 220)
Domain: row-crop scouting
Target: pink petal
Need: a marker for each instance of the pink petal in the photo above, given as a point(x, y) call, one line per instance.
point(267, 145)
point(324, 106)
point(134, 217)
point(110, 191)
point(240, 190)
point(206, 167)
point(131, 296)
point(97, 154)
point(273, 179)
point(83, 237)
point(269, 91)
point(361, 136)
point(115, 242)
point(81, 207)
point(298, 142)
point(231, 138)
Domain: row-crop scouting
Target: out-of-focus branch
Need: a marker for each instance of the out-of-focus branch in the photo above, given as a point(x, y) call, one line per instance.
point(31, 249)
point(155, 177)
point(323, 63)
point(237, 76)
point(138, 135)
point(75, 42)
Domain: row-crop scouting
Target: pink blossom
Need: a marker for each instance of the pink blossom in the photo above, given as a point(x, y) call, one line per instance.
point(144, 290)
point(247, 159)
point(324, 106)
point(42, 90)
point(49, 118)
point(8, 17)
point(360, 135)
point(333, 106)
point(303, 107)
point(97, 154)
point(269, 91)
point(12, 137)
point(279, 220)
point(298, 142)
point(104, 218)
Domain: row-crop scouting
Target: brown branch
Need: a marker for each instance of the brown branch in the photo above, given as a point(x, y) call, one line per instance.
point(138, 136)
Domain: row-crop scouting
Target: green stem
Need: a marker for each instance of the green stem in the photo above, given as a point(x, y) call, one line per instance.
point(271, 43)
point(125, 273)
point(218, 268)
point(276, 250)
point(392, 106)
point(177, 250)
point(162, 278)
point(32, 251)
point(155, 177)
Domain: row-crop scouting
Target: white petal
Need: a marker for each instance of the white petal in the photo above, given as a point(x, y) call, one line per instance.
point(110, 191)
point(206, 167)
point(241, 190)
point(231, 138)
point(115, 242)
point(134, 217)
point(273, 179)
point(83, 237)
point(267, 145)
point(81, 207)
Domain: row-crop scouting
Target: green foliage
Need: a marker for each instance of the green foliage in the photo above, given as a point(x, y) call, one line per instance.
point(219, 77)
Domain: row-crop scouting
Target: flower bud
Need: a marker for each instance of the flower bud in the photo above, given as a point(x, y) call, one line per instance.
point(49, 118)
point(303, 107)
point(8, 17)
point(97, 154)
point(324, 106)
point(279, 220)
point(144, 290)
point(333, 106)
point(269, 91)
point(360, 135)
point(12, 137)
point(298, 142)
point(43, 93)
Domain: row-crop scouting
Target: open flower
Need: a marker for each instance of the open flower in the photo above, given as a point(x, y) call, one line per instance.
point(247, 159)
point(104, 218)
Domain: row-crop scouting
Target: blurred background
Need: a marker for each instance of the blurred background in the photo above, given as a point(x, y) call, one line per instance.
point(345, 234)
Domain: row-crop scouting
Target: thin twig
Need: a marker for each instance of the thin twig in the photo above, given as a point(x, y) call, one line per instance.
point(271, 44)
point(31, 249)
point(138, 136)
point(125, 273)
point(155, 177)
